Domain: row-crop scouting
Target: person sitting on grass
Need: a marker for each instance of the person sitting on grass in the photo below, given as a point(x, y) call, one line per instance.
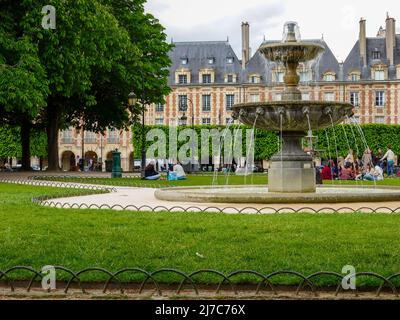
point(180, 172)
point(150, 172)
point(373, 174)
point(327, 171)
point(347, 173)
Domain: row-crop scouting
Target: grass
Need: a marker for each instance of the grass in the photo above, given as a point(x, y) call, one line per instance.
point(205, 180)
point(193, 180)
point(36, 236)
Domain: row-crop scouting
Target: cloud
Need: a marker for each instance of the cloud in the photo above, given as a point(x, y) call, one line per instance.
point(261, 17)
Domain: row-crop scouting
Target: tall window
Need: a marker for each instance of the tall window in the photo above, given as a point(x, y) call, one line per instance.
point(278, 97)
point(182, 79)
point(207, 78)
point(379, 98)
point(159, 107)
point(354, 99)
point(279, 77)
point(90, 137)
point(67, 137)
point(379, 75)
point(230, 101)
point(206, 121)
point(159, 121)
point(182, 102)
point(329, 96)
point(254, 98)
point(113, 136)
point(206, 102)
point(305, 96)
point(380, 119)
point(304, 76)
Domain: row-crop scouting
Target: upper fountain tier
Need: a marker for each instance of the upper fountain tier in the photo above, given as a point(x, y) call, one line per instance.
point(291, 50)
point(292, 114)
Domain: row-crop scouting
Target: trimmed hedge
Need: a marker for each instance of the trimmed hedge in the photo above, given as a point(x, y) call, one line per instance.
point(330, 142)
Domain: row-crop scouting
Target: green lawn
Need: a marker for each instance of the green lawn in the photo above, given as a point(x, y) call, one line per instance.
point(193, 180)
point(35, 236)
point(203, 180)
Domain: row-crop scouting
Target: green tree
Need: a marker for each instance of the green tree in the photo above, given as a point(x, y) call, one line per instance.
point(23, 82)
point(93, 59)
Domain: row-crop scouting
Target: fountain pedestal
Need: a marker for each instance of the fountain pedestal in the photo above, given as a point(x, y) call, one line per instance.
point(292, 170)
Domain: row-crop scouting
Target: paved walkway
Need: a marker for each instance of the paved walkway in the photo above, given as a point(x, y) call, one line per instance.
point(143, 199)
point(130, 198)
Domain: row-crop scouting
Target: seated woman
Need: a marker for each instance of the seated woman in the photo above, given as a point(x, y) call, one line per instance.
point(327, 171)
point(150, 173)
point(347, 173)
point(180, 172)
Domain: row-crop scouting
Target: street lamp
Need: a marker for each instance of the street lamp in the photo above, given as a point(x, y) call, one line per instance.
point(184, 122)
point(132, 100)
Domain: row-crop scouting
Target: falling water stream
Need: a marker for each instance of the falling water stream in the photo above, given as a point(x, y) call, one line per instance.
point(221, 142)
point(350, 148)
point(361, 132)
point(250, 153)
point(330, 155)
point(336, 145)
point(229, 169)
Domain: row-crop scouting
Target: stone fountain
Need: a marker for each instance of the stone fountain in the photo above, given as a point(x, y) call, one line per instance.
point(292, 173)
point(292, 170)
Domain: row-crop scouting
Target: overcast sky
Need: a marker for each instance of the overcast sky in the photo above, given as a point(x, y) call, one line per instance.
point(191, 20)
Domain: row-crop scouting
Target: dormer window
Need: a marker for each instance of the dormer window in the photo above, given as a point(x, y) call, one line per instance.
point(184, 61)
point(206, 78)
point(379, 75)
point(279, 77)
point(304, 76)
point(182, 76)
point(329, 76)
point(182, 79)
point(255, 78)
point(230, 78)
point(229, 60)
point(376, 55)
point(211, 60)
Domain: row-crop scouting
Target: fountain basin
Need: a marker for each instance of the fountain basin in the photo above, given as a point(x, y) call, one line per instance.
point(287, 52)
point(260, 194)
point(267, 115)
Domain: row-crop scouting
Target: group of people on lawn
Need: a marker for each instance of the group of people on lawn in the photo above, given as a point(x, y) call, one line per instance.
point(369, 167)
point(174, 172)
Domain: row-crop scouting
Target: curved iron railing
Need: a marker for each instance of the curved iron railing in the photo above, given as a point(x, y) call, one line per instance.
point(262, 281)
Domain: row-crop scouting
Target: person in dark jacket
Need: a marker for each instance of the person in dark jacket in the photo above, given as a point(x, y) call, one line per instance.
point(150, 172)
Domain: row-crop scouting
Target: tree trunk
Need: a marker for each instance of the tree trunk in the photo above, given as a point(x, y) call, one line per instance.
point(26, 145)
point(52, 138)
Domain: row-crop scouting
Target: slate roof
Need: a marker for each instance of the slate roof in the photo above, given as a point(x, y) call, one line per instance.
point(198, 54)
point(353, 60)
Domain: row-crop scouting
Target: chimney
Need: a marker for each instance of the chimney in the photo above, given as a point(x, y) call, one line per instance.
point(363, 42)
point(245, 44)
point(390, 38)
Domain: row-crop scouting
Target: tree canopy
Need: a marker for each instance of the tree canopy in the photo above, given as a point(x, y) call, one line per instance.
point(81, 73)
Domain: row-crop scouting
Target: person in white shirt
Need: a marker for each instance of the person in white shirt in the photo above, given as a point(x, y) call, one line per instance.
point(390, 157)
point(180, 172)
